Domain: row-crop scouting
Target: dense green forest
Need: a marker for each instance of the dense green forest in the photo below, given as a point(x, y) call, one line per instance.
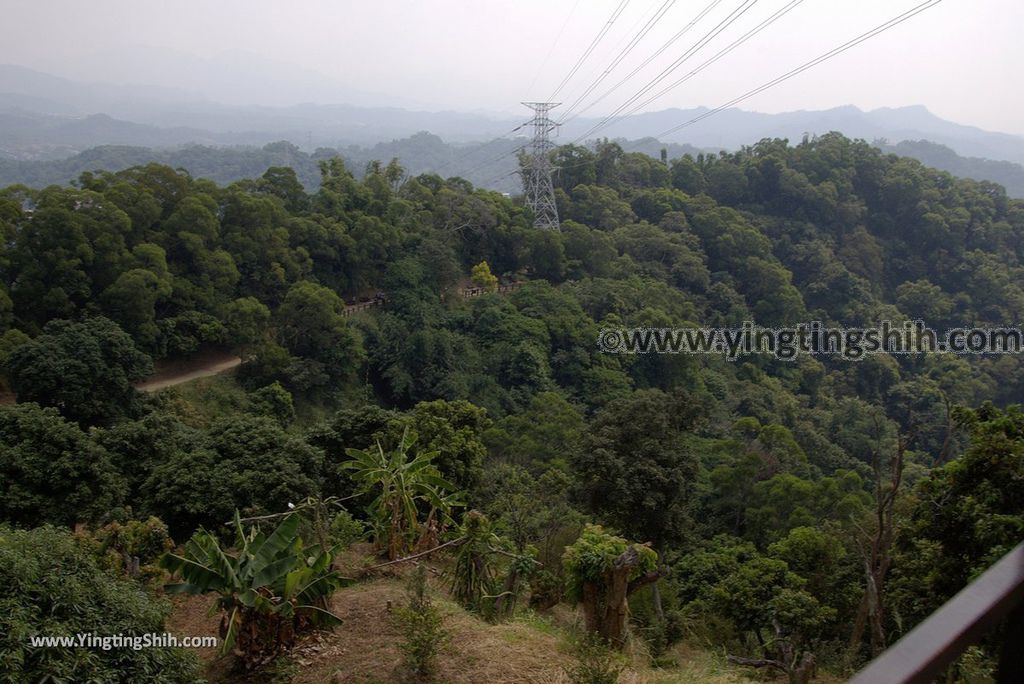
point(1007, 174)
point(797, 515)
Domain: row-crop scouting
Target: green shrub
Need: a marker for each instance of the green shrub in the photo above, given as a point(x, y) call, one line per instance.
point(146, 540)
point(473, 578)
point(422, 626)
point(52, 585)
point(546, 590)
point(274, 401)
point(134, 547)
point(346, 530)
point(594, 663)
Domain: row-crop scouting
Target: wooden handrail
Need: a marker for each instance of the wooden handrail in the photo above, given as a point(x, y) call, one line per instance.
point(465, 293)
point(923, 653)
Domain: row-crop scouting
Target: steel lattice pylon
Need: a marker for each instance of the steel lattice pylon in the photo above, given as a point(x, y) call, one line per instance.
point(536, 170)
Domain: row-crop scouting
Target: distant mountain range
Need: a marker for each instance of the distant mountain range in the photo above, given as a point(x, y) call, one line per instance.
point(52, 128)
point(420, 153)
point(732, 128)
point(484, 164)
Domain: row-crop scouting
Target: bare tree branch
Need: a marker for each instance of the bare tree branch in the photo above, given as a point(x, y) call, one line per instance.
point(421, 554)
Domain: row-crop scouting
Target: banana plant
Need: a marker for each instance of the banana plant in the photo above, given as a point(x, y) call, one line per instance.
point(268, 589)
point(402, 484)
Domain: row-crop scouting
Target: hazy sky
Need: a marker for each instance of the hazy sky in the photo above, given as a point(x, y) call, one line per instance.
point(962, 59)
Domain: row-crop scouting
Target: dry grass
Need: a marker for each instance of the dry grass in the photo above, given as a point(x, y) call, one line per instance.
point(190, 617)
point(527, 650)
point(365, 649)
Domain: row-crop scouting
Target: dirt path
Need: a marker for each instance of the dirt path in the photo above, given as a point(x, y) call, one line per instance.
point(172, 373)
point(177, 372)
point(210, 363)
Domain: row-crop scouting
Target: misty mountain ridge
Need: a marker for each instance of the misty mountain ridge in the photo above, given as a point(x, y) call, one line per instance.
point(334, 124)
point(47, 118)
point(420, 153)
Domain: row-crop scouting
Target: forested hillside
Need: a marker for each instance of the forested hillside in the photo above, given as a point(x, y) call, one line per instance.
point(1007, 174)
point(490, 165)
point(792, 514)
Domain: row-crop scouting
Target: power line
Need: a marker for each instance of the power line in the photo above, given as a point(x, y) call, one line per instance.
point(881, 28)
point(659, 13)
point(590, 49)
point(579, 63)
point(657, 53)
point(721, 53)
point(495, 160)
point(494, 180)
point(474, 150)
point(701, 42)
point(704, 40)
point(551, 49)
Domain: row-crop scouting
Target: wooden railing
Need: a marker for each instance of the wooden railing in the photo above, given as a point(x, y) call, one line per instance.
point(467, 292)
point(362, 306)
point(927, 650)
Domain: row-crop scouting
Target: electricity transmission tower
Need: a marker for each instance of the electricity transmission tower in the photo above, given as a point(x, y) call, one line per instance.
point(536, 171)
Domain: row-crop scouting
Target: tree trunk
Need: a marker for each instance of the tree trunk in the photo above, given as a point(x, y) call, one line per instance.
point(591, 607)
point(805, 671)
point(877, 550)
point(874, 605)
point(605, 607)
point(613, 623)
point(859, 623)
point(430, 534)
point(505, 604)
point(659, 610)
point(396, 542)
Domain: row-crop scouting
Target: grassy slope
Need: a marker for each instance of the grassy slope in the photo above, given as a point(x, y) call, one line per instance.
point(201, 401)
point(531, 648)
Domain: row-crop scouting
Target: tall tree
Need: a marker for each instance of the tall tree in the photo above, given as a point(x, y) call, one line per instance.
point(85, 369)
point(51, 472)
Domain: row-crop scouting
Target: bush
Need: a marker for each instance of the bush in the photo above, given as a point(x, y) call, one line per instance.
point(346, 530)
point(135, 546)
point(52, 585)
point(422, 626)
point(146, 540)
point(274, 401)
point(660, 634)
point(595, 663)
point(473, 577)
point(546, 590)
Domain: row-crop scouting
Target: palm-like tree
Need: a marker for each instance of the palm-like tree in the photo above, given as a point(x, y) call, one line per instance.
point(403, 484)
point(268, 588)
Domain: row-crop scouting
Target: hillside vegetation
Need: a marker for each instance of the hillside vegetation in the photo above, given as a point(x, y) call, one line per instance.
point(483, 164)
point(529, 648)
point(793, 517)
